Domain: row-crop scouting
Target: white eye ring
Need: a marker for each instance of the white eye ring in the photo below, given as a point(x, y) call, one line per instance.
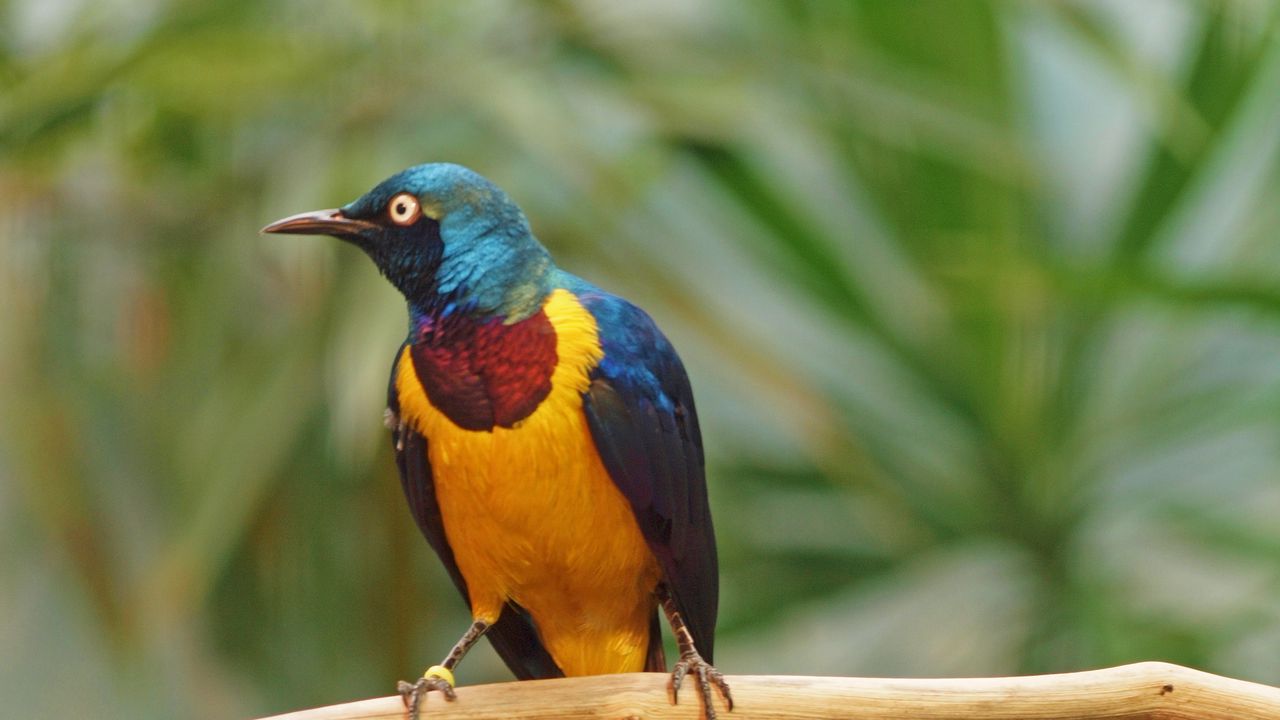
point(404, 209)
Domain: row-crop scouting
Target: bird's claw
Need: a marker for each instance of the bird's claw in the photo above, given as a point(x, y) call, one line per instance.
point(413, 692)
point(707, 674)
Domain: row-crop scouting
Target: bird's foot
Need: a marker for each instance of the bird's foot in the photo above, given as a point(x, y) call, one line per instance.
point(707, 674)
point(436, 677)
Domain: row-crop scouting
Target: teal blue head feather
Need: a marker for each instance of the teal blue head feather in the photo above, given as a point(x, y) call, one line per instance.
point(447, 238)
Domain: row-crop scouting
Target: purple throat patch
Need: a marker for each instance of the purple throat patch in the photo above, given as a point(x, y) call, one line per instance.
point(483, 374)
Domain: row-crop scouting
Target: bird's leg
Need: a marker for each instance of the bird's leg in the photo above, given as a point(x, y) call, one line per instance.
point(691, 661)
point(440, 677)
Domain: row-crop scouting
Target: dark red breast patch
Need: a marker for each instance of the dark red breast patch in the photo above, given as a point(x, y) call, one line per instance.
point(484, 374)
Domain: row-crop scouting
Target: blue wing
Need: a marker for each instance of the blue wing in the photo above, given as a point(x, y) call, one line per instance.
point(639, 407)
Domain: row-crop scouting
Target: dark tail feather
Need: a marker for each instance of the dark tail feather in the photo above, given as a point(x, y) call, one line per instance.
point(518, 644)
point(655, 660)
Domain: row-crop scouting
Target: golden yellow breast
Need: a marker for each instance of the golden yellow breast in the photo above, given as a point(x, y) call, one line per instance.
point(532, 515)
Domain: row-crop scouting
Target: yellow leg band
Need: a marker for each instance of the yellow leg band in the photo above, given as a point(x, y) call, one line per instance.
point(441, 672)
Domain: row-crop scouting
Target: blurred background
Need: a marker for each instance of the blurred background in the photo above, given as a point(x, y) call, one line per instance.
point(980, 301)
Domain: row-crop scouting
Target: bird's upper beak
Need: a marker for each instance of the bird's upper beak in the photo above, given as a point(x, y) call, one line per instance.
point(320, 222)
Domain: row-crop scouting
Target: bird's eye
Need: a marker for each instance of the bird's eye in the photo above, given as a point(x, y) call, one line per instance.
point(404, 209)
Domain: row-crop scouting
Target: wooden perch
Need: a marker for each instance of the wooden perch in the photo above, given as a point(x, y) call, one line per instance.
point(1143, 690)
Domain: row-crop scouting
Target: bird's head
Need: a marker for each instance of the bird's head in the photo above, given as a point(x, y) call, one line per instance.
point(446, 237)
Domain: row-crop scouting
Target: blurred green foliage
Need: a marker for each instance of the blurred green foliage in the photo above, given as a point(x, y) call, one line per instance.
point(981, 302)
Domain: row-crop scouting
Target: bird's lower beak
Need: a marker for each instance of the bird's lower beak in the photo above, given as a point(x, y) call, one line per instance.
point(320, 222)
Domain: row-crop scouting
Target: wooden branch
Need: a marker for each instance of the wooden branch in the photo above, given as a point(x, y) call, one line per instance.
point(1150, 690)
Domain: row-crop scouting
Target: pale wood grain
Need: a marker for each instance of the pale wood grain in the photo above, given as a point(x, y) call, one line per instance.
point(1148, 690)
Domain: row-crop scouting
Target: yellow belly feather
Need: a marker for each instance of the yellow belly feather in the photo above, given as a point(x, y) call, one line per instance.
point(532, 515)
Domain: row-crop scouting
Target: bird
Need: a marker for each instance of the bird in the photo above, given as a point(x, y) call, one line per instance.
point(546, 439)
